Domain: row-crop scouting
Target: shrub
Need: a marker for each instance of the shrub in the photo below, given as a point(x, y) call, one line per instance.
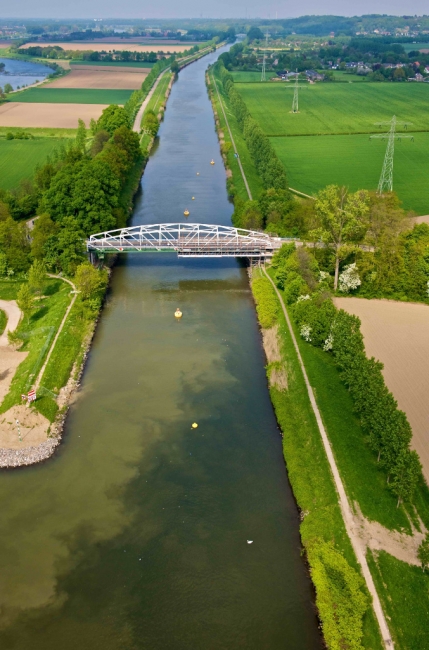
point(267, 304)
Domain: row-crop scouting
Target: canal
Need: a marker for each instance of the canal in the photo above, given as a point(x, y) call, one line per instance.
point(134, 536)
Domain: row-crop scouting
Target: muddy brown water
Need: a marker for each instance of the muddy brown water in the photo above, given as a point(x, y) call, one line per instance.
point(134, 536)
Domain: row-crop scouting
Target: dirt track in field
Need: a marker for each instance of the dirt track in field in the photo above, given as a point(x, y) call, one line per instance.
point(107, 47)
point(397, 334)
point(60, 116)
point(97, 79)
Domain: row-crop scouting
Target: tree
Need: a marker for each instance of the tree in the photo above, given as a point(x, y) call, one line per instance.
point(44, 227)
point(8, 88)
point(405, 475)
point(342, 221)
point(89, 280)
point(423, 552)
point(81, 135)
point(101, 138)
point(112, 118)
point(399, 75)
point(37, 277)
point(255, 34)
point(174, 67)
point(25, 300)
point(66, 250)
point(14, 244)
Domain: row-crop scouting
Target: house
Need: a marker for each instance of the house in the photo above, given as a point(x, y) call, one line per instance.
point(312, 75)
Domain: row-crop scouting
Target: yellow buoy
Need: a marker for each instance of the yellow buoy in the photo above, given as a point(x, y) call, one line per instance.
point(178, 313)
point(212, 162)
point(186, 213)
point(195, 425)
point(193, 198)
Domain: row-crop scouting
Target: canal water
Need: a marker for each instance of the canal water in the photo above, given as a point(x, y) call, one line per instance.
point(135, 535)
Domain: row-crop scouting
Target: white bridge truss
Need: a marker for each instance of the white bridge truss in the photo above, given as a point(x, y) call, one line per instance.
point(187, 240)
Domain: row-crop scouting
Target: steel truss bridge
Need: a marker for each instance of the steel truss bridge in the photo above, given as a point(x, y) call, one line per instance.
point(187, 240)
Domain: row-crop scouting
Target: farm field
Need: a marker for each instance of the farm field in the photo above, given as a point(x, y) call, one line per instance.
point(312, 162)
point(247, 76)
point(104, 79)
point(109, 46)
point(397, 334)
point(111, 64)
point(60, 116)
point(48, 95)
point(335, 108)
point(19, 158)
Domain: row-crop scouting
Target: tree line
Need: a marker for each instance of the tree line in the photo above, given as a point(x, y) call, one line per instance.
point(264, 157)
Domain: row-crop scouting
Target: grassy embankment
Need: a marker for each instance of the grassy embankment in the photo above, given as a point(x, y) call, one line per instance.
point(228, 149)
point(156, 102)
point(37, 333)
point(307, 465)
point(330, 142)
point(47, 95)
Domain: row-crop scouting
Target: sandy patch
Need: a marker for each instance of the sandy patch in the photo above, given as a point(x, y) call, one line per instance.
point(397, 334)
point(13, 314)
point(417, 220)
point(110, 47)
point(9, 362)
point(96, 79)
point(112, 68)
point(278, 372)
point(33, 426)
point(60, 116)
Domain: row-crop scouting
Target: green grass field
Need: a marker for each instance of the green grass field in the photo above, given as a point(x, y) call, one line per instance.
point(347, 77)
point(248, 76)
point(329, 108)
point(116, 64)
point(18, 159)
point(410, 47)
point(404, 592)
point(46, 95)
point(312, 162)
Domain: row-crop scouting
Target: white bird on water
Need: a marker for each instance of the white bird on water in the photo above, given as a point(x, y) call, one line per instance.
point(250, 541)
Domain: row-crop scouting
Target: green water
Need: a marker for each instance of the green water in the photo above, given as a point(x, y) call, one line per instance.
point(134, 536)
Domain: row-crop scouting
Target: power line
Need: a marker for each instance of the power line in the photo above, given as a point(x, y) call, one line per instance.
point(263, 78)
point(385, 183)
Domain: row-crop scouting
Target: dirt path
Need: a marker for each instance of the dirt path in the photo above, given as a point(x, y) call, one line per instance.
point(139, 116)
point(357, 542)
point(14, 315)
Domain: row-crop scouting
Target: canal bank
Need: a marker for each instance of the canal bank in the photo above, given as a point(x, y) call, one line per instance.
point(135, 534)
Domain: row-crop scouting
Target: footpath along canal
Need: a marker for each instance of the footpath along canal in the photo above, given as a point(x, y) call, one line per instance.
point(134, 535)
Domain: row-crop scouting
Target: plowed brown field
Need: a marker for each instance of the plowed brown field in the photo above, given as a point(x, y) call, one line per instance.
point(59, 116)
point(397, 333)
point(97, 79)
point(107, 47)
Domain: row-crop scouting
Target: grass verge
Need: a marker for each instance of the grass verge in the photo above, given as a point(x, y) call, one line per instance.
point(404, 592)
point(3, 321)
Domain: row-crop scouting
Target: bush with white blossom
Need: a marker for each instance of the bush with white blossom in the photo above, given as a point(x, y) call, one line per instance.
point(328, 344)
point(306, 332)
point(301, 298)
point(349, 279)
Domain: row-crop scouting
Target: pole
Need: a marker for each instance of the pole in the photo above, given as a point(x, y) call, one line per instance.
point(295, 95)
point(19, 431)
point(386, 179)
point(263, 78)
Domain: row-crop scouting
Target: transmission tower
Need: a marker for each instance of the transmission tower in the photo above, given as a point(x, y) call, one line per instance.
point(263, 60)
point(295, 95)
point(385, 183)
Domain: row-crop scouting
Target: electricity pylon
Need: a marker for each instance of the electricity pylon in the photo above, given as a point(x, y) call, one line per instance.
point(385, 183)
point(295, 95)
point(263, 60)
